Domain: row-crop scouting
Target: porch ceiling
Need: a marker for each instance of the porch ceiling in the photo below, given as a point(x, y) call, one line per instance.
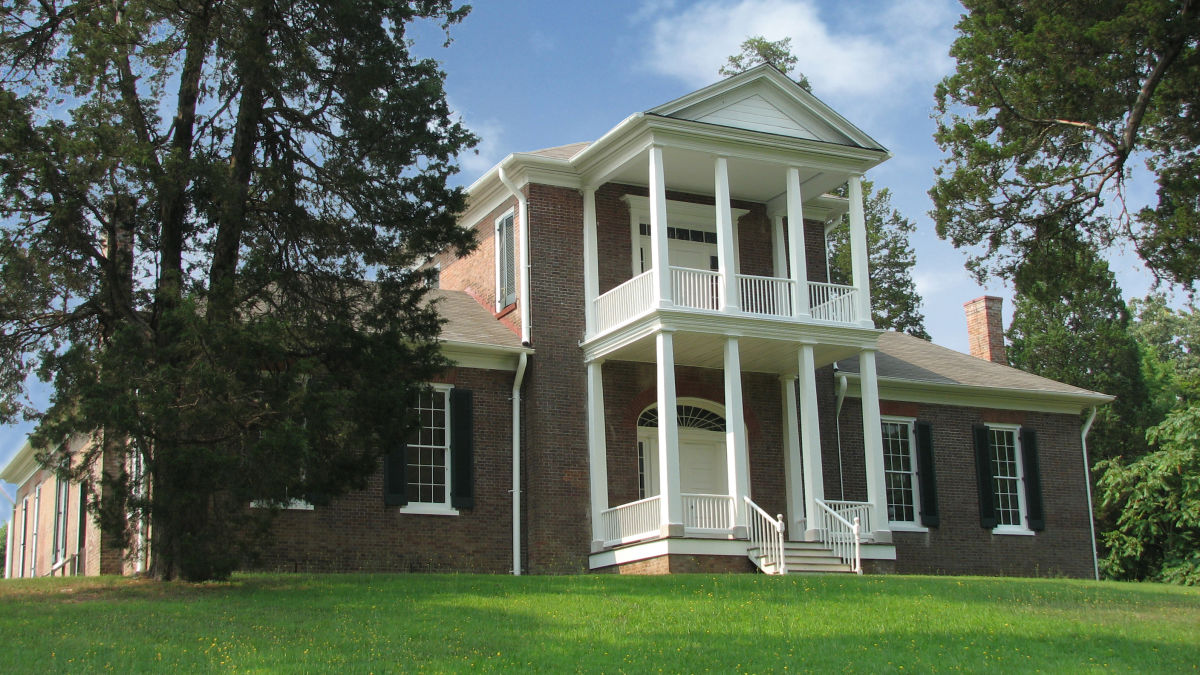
point(756, 181)
point(707, 350)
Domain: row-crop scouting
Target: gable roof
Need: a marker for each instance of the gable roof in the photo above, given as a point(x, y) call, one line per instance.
point(764, 99)
point(910, 359)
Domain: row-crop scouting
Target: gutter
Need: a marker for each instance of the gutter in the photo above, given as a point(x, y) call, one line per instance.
point(518, 379)
point(1087, 477)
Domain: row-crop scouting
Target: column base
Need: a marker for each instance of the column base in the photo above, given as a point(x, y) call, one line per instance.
point(881, 536)
point(672, 530)
point(741, 532)
point(597, 546)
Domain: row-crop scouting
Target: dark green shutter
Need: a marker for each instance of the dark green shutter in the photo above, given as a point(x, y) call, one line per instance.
point(1033, 480)
point(395, 483)
point(462, 450)
point(983, 470)
point(926, 476)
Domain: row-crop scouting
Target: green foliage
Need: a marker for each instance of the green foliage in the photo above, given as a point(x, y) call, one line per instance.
point(604, 623)
point(210, 214)
point(1048, 105)
point(1157, 535)
point(756, 50)
point(1071, 325)
point(895, 303)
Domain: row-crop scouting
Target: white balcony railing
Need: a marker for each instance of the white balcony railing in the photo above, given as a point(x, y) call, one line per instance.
point(707, 512)
point(701, 290)
point(625, 301)
point(633, 521)
point(833, 302)
point(697, 289)
point(765, 295)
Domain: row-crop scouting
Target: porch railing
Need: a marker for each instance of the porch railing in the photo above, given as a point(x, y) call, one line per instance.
point(839, 535)
point(633, 521)
point(851, 510)
point(625, 301)
point(707, 512)
point(765, 295)
point(697, 289)
point(766, 540)
point(833, 302)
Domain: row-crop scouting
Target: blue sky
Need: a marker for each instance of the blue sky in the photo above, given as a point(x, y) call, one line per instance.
point(529, 75)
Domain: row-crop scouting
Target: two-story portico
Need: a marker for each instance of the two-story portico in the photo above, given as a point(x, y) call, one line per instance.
point(686, 297)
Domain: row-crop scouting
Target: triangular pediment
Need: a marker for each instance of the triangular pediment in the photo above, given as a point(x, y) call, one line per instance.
point(763, 99)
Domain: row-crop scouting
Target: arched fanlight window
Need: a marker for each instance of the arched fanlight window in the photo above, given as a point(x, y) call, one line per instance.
point(688, 416)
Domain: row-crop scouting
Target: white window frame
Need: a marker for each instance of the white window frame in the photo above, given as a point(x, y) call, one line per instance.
point(437, 508)
point(62, 502)
point(503, 260)
point(37, 512)
point(687, 214)
point(1022, 525)
point(913, 525)
point(24, 535)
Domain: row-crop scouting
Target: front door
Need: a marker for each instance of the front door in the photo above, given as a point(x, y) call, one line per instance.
point(702, 463)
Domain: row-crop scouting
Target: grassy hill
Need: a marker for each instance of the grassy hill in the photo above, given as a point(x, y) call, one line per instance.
point(595, 623)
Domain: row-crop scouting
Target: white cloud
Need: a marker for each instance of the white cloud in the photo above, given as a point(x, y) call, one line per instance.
point(489, 151)
point(871, 54)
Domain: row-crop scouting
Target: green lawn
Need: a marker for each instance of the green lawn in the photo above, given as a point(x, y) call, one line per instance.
point(743, 623)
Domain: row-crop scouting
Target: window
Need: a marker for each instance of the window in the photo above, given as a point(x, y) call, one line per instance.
point(1010, 498)
point(428, 453)
point(61, 501)
point(899, 471)
point(433, 472)
point(506, 267)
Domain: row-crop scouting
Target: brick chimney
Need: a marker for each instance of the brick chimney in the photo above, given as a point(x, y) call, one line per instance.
point(985, 328)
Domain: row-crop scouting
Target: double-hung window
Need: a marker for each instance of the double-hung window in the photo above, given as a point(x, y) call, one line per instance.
point(506, 264)
point(427, 474)
point(900, 470)
point(62, 499)
point(1010, 495)
point(433, 472)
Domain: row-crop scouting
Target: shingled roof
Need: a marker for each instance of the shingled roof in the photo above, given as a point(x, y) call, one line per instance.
point(904, 357)
point(469, 323)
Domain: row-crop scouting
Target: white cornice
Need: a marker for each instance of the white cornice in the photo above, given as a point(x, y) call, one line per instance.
point(971, 396)
point(21, 467)
point(486, 357)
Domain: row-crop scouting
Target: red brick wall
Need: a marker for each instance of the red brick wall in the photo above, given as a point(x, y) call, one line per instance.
point(685, 564)
point(358, 532)
point(959, 545)
point(476, 273)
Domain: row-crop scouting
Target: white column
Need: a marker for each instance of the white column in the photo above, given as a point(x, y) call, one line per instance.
point(810, 435)
point(792, 474)
point(597, 451)
point(725, 248)
point(668, 438)
point(658, 227)
point(736, 453)
point(778, 249)
point(796, 253)
point(873, 445)
point(859, 268)
point(591, 281)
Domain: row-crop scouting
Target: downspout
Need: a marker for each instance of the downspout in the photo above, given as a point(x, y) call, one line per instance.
point(837, 423)
point(516, 461)
point(1087, 475)
point(523, 221)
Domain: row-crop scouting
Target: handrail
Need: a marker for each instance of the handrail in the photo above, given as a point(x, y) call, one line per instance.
point(766, 535)
point(624, 302)
point(632, 521)
point(839, 535)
